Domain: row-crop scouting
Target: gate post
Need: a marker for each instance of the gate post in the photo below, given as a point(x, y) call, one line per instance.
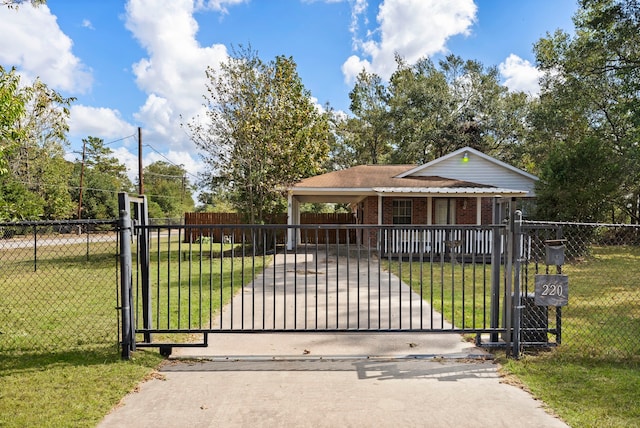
point(124, 229)
point(496, 262)
point(517, 302)
point(508, 274)
point(142, 215)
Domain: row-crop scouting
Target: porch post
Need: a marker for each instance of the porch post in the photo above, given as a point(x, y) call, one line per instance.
point(381, 234)
point(430, 210)
point(292, 219)
point(479, 210)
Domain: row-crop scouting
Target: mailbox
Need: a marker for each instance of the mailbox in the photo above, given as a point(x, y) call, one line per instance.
point(555, 252)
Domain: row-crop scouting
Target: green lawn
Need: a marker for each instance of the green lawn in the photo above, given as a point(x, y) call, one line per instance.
point(59, 360)
point(190, 283)
point(60, 364)
point(459, 291)
point(592, 379)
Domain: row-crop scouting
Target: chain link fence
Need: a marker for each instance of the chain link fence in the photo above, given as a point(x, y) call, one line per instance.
point(58, 286)
point(602, 262)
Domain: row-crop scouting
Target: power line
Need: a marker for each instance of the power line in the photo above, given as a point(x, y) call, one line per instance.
point(170, 161)
point(119, 139)
point(69, 187)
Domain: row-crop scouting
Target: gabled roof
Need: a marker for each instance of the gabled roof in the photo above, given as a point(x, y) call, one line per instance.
point(461, 152)
point(370, 176)
point(477, 175)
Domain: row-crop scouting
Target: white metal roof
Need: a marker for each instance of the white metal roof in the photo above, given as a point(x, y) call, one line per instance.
point(491, 191)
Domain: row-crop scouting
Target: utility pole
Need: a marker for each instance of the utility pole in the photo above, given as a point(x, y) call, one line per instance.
point(84, 153)
point(140, 178)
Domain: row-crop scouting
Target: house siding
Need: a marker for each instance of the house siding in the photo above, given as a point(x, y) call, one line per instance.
point(479, 170)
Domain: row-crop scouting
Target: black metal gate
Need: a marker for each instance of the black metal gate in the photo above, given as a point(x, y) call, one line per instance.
point(180, 284)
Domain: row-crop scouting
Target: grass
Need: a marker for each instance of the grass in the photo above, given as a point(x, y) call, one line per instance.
point(592, 379)
point(190, 283)
point(584, 392)
point(62, 367)
point(68, 388)
point(59, 360)
point(459, 291)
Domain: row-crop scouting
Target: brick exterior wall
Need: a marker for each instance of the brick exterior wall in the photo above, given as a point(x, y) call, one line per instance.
point(466, 210)
point(465, 213)
point(486, 216)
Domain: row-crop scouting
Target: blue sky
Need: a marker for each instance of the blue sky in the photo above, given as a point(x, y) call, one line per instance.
point(140, 63)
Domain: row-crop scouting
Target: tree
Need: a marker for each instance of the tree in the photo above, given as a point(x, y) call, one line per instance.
point(212, 203)
point(103, 176)
point(34, 151)
point(368, 134)
point(435, 110)
point(262, 132)
point(590, 92)
point(168, 190)
point(12, 108)
point(561, 191)
point(13, 4)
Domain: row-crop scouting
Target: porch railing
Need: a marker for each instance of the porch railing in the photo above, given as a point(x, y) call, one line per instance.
point(449, 240)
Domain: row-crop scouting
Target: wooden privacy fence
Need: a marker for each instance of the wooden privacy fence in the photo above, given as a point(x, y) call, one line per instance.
point(229, 233)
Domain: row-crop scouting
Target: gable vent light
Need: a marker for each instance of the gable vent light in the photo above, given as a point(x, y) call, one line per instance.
point(465, 158)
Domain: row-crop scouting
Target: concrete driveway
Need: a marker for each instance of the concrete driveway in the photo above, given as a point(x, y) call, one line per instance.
point(329, 379)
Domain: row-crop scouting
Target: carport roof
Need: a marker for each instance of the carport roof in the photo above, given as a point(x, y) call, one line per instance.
point(356, 183)
point(367, 177)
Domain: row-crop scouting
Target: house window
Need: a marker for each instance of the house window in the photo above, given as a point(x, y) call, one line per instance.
point(402, 209)
point(445, 207)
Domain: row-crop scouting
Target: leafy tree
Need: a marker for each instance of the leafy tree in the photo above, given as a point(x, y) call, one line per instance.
point(213, 203)
point(102, 178)
point(12, 108)
point(262, 132)
point(13, 4)
point(168, 190)
point(368, 133)
point(590, 92)
point(561, 191)
point(17, 202)
point(34, 157)
point(435, 110)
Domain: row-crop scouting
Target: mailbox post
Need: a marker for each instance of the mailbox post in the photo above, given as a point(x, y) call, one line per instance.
point(553, 289)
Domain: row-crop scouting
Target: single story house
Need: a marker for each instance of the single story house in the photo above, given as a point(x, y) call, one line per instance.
point(457, 188)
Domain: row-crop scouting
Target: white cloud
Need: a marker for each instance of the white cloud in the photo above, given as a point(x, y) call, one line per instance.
point(191, 165)
point(87, 24)
point(218, 5)
point(353, 66)
point(173, 74)
point(38, 48)
point(412, 29)
point(129, 158)
point(100, 122)
point(520, 75)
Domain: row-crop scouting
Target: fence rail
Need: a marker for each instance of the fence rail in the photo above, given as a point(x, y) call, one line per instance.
point(220, 234)
point(58, 286)
point(59, 289)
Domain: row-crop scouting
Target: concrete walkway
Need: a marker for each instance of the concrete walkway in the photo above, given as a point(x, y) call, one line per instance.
point(328, 379)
